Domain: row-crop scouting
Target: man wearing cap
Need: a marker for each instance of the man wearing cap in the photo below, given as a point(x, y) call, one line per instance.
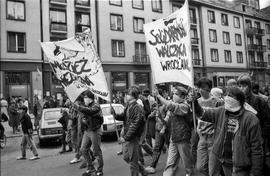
point(180, 122)
point(27, 139)
point(93, 119)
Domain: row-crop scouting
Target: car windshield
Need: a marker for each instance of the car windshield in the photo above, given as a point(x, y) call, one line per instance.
point(52, 115)
point(107, 110)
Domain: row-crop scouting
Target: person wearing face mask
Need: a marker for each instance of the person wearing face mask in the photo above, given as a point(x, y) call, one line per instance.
point(206, 163)
point(237, 138)
point(93, 120)
point(180, 125)
point(260, 105)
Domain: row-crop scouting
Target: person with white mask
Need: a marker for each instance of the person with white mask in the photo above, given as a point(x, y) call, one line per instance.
point(93, 119)
point(237, 139)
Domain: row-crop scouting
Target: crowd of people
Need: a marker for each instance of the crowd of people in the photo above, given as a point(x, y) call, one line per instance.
point(214, 131)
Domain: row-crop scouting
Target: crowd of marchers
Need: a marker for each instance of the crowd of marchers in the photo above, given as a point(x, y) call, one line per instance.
point(213, 131)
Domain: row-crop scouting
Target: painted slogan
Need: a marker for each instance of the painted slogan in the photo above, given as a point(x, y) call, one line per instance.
point(168, 41)
point(76, 64)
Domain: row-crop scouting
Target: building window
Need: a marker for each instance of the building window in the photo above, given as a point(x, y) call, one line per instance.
point(214, 55)
point(248, 24)
point(268, 44)
point(257, 25)
point(137, 4)
point(82, 21)
point(115, 2)
point(211, 16)
point(193, 34)
point(119, 81)
point(156, 5)
point(238, 40)
point(140, 48)
point(260, 57)
point(212, 35)
point(15, 10)
point(192, 15)
point(195, 56)
point(142, 79)
point(243, 8)
point(226, 37)
point(138, 25)
point(224, 19)
point(250, 40)
point(176, 7)
point(239, 56)
point(58, 20)
point(118, 48)
point(267, 28)
point(117, 22)
point(16, 42)
point(269, 59)
point(228, 56)
point(259, 40)
point(236, 22)
point(82, 2)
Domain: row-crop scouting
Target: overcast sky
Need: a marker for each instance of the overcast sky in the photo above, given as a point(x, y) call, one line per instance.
point(264, 3)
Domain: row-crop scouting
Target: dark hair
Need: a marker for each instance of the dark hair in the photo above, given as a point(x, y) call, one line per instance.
point(181, 90)
point(24, 108)
point(134, 92)
point(89, 94)
point(256, 86)
point(236, 93)
point(244, 79)
point(146, 92)
point(205, 81)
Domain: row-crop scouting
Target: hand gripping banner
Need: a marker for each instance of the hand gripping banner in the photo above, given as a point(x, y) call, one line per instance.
point(76, 64)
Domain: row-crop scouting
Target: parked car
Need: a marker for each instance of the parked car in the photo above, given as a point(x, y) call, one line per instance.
point(108, 126)
point(49, 127)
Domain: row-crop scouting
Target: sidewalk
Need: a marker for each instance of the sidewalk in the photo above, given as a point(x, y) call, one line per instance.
point(9, 131)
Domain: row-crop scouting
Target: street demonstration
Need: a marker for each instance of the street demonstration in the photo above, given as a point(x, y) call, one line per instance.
point(193, 128)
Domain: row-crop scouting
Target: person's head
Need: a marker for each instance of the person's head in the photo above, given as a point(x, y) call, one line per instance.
point(216, 92)
point(20, 102)
point(234, 99)
point(88, 97)
point(146, 92)
point(231, 82)
point(256, 88)
point(132, 93)
point(244, 83)
point(205, 86)
point(23, 109)
point(179, 94)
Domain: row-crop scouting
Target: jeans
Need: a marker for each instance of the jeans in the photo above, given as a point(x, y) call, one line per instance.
point(27, 139)
point(194, 145)
point(92, 138)
point(131, 155)
point(159, 144)
point(207, 162)
point(176, 151)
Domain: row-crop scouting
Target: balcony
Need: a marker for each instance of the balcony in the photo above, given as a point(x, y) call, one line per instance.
point(257, 64)
point(81, 27)
point(255, 31)
point(195, 41)
point(82, 3)
point(196, 62)
point(58, 2)
point(58, 27)
point(141, 59)
point(258, 48)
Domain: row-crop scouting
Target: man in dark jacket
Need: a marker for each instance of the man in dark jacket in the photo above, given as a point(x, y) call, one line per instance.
point(260, 105)
point(133, 117)
point(27, 139)
point(237, 138)
point(93, 119)
point(180, 132)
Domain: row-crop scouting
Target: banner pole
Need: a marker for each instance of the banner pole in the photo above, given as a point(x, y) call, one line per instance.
point(115, 126)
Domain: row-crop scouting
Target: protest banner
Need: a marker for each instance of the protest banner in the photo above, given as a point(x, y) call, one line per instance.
point(76, 64)
point(168, 41)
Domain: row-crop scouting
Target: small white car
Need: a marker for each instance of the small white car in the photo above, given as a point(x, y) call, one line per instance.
point(49, 127)
point(109, 126)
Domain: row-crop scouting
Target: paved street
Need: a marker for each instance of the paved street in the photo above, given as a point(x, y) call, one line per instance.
point(52, 163)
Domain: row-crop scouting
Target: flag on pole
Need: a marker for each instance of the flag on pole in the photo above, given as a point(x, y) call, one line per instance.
point(168, 41)
point(76, 64)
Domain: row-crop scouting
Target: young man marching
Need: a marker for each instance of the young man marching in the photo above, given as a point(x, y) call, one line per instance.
point(27, 139)
point(133, 118)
